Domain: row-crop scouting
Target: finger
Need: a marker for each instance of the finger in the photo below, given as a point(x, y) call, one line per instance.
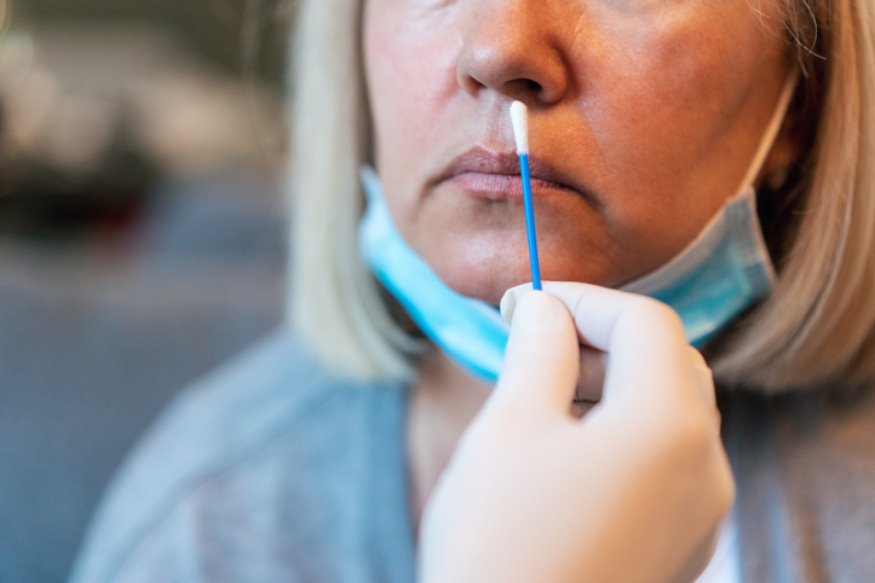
point(541, 360)
point(592, 361)
point(640, 335)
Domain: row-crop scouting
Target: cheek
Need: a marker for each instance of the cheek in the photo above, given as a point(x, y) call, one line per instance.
point(409, 63)
point(664, 98)
point(648, 86)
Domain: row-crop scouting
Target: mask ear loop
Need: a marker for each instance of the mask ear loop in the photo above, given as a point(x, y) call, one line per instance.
point(772, 130)
point(744, 195)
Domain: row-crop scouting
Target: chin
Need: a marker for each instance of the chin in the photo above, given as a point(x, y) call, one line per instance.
point(489, 280)
point(480, 272)
point(484, 287)
point(485, 262)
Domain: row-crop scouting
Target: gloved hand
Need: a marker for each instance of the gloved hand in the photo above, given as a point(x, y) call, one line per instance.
point(633, 491)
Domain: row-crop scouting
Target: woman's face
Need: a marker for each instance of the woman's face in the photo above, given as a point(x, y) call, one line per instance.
point(643, 118)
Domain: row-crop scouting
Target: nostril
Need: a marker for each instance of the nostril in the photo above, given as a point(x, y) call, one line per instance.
point(531, 85)
point(522, 67)
point(524, 89)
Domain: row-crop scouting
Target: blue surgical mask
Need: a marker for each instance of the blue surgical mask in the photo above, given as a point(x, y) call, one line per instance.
point(719, 275)
point(470, 331)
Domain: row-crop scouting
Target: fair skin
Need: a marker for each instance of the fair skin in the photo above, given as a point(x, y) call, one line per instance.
point(443, 402)
point(644, 116)
point(649, 111)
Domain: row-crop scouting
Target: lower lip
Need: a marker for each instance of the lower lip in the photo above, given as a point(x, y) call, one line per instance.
point(503, 186)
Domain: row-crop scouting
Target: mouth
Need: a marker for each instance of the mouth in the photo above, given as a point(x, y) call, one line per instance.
point(496, 176)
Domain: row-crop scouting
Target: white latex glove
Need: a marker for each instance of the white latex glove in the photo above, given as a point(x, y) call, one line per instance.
point(633, 491)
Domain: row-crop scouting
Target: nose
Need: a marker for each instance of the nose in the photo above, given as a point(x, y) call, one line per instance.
point(514, 47)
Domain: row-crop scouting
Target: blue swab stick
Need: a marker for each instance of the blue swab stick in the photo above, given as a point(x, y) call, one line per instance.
point(519, 121)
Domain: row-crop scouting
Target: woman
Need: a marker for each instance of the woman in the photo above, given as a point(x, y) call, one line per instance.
point(646, 118)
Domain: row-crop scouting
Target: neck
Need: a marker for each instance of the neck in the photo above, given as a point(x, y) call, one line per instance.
point(445, 399)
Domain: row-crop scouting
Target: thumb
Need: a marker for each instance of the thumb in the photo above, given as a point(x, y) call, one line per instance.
point(542, 359)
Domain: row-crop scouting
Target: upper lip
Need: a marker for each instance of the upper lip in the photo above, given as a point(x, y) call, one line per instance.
point(483, 161)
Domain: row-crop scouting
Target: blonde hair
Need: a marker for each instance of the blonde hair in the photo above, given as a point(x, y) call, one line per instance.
point(817, 326)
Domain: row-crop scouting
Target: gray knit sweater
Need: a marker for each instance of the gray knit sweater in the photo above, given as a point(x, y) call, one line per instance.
point(273, 469)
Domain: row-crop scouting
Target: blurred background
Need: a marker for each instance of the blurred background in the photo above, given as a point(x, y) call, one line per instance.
point(141, 235)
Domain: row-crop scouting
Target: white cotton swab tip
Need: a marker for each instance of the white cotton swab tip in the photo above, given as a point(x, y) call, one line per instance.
point(520, 122)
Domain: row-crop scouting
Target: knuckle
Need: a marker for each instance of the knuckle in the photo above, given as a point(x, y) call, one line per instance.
point(699, 435)
point(650, 309)
point(697, 439)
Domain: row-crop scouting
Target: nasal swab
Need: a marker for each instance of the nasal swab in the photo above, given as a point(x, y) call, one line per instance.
point(519, 121)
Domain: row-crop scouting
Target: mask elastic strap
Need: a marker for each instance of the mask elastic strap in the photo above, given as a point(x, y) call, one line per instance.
point(772, 130)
